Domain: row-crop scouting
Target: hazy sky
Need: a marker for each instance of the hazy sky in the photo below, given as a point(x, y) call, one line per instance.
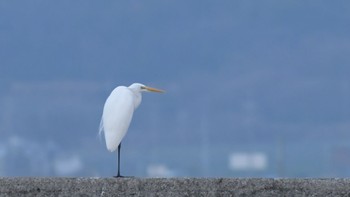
point(273, 72)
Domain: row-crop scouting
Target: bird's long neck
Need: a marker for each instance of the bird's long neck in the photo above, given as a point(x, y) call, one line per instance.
point(137, 99)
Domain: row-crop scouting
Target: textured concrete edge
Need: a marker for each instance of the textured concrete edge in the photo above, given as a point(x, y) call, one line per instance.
point(41, 186)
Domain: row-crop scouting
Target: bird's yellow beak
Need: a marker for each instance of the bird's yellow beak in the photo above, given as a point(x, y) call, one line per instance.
point(153, 89)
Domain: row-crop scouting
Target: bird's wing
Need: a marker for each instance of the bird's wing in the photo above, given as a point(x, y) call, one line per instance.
point(117, 115)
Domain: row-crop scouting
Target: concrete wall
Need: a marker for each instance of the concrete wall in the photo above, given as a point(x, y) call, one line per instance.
point(172, 187)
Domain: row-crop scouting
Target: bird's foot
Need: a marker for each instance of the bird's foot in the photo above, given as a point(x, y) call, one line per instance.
point(120, 176)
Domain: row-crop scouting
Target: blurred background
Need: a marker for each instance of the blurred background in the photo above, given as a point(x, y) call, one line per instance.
point(253, 88)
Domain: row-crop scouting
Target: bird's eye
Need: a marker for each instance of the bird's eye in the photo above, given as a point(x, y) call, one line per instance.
point(142, 87)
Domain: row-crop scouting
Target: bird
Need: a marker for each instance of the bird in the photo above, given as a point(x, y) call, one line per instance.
point(117, 114)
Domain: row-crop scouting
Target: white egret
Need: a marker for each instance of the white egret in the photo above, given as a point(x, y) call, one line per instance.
point(117, 114)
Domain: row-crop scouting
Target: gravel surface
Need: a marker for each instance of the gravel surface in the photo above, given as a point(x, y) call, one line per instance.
point(32, 186)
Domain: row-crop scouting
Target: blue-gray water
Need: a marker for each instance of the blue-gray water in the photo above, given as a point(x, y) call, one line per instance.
point(253, 88)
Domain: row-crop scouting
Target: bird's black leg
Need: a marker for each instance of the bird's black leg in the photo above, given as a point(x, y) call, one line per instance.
point(118, 175)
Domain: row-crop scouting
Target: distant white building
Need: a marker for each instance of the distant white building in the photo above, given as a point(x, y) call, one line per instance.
point(242, 161)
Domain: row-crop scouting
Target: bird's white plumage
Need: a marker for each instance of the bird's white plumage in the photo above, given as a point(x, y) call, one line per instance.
point(117, 115)
point(118, 111)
